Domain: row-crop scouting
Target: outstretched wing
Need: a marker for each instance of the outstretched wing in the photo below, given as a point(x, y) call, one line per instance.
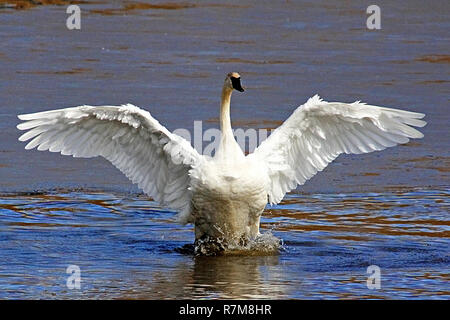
point(318, 131)
point(129, 137)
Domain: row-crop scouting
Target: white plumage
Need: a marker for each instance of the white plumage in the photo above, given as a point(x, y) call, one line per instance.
point(318, 131)
point(130, 138)
point(224, 196)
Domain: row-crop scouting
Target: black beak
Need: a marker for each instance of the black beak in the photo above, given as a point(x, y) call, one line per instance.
point(236, 83)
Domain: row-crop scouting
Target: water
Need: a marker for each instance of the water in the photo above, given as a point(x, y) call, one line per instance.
point(387, 208)
point(128, 247)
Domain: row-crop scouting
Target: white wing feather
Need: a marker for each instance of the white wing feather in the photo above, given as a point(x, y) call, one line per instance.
point(318, 131)
point(157, 160)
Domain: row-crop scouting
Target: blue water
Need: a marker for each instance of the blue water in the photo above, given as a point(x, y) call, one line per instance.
point(128, 247)
point(389, 208)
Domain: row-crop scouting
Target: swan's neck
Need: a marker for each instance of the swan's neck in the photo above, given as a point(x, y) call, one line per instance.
point(225, 121)
point(228, 148)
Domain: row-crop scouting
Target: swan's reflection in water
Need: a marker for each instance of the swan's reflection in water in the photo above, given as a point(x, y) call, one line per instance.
point(238, 277)
point(223, 277)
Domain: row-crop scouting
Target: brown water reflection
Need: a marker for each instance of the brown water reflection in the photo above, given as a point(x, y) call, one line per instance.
point(435, 58)
point(131, 7)
point(364, 216)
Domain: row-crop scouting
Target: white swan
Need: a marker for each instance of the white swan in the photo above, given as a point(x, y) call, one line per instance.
point(225, 195)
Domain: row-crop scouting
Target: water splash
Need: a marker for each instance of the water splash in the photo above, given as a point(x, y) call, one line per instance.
point(264, 244)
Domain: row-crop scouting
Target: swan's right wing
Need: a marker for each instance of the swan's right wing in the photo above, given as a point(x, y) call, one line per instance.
point(318, 131)
point(129, 137)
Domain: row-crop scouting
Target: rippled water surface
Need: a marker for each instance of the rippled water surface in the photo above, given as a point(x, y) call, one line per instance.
point(127, 247)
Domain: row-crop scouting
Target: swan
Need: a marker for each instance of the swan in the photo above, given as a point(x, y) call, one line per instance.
point(224, 195)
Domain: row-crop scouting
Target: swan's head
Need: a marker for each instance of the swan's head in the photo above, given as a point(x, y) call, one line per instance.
point(233, 81)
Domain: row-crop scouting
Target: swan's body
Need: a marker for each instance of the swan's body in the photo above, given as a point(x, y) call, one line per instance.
point(228, 198)
point(225, 195)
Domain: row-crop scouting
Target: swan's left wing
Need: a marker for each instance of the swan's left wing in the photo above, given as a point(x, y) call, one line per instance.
point(318, 131)
point(157, 160)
